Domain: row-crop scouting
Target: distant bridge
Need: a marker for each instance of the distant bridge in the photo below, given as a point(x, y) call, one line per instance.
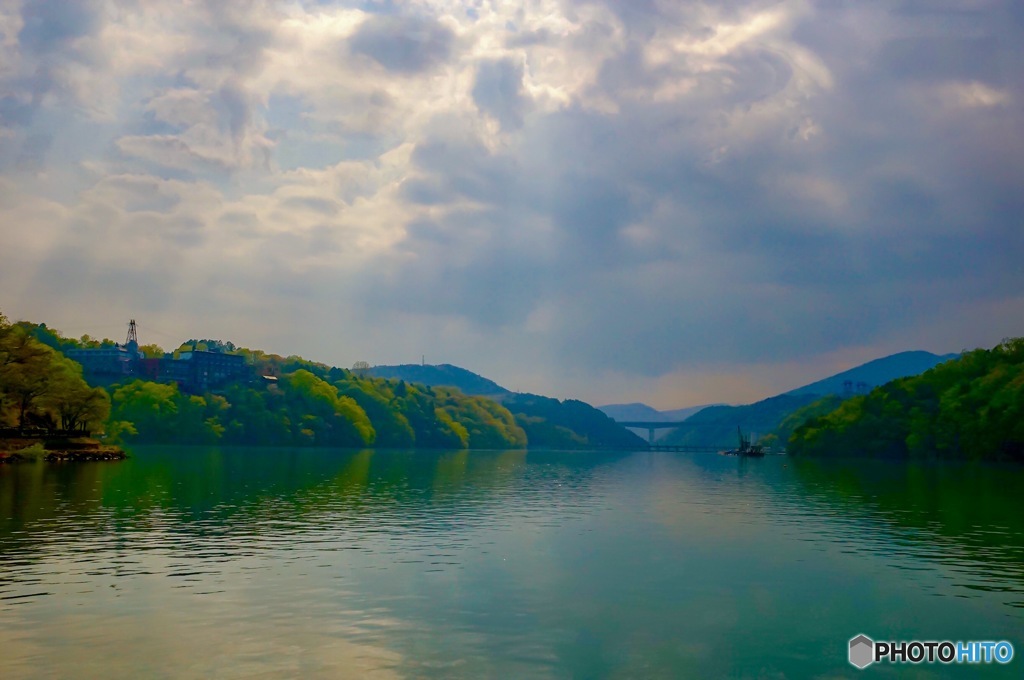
point(651, 426)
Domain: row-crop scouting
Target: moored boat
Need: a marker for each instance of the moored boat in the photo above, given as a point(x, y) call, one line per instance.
point(746, 449)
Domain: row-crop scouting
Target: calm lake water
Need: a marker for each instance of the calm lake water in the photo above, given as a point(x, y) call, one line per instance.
point(240, 563)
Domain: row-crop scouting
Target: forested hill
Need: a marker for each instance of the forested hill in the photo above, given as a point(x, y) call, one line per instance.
point(716, 425)
point(971, 407)
point(548, 422)
point(273, 400)
point(569, 424)
point(877, 372)
point(441, 375)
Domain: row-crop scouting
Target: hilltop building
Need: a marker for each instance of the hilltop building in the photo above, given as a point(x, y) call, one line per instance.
point(113, 362)
point(110, 363)
point(194, 371)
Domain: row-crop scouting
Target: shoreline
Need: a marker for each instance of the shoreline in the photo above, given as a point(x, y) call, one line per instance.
point(57, 450)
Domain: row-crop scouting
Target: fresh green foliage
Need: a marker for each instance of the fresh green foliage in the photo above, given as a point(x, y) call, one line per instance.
point(971, 407)
point(34, 453)
point(207, 344)
point(39, 387)
point(54, 339)
point(569, 424)
point(440, 375)
point(151, 351)
point(305, 409)
point(821, 407)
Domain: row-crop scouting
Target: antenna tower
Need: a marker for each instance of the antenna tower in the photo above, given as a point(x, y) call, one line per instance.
point(133, 335)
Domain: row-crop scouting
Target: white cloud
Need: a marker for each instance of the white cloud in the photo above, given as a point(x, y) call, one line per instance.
point(970, 95)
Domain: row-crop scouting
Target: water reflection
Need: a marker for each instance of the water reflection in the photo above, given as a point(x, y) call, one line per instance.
point(965, 518)
point(233, 563)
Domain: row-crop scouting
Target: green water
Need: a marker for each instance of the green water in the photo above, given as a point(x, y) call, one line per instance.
point(197, 563)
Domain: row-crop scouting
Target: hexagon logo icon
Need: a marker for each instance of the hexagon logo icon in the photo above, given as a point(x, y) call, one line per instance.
point(862, 651)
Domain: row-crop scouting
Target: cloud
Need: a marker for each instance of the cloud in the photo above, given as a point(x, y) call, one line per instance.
point(404, 44)
point(558, 193)
point(50, 26)
point(498, 91)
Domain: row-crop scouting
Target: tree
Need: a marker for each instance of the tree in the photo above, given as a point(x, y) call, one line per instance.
point(81, 407)
point(337, 420)
point(971, 407)
point(37, 381)
point(150, 408)
point(27, 370)
point(151, 351)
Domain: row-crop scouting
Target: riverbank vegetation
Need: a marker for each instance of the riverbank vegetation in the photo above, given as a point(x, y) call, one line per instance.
point(969, 408)
point(304, 409)
point(279, 401)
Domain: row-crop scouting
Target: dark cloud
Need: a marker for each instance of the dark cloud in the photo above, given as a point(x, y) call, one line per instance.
point(319, 205)
point(236, 106)
point(14, 111)
point(759, 218)
point(464, 168)
point(50, 36)
point(498, 91)
point(683, 186)
point(540, 36)
point(51, 25)
point(475, 265)
point(138, 194)
point(640, 17)
point(591, 209)
point(404, 44)
point(32, 155)
point(102, 282)
point(931, 58)
point(236, 38)
point(425, 192)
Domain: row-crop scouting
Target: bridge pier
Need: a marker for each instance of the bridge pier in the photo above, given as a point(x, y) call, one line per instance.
point(650, 435)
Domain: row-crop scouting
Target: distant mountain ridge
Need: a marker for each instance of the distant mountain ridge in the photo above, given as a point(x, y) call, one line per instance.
point(640, 411)
point(643, 412)
point(572, 424)
point(876, 372)
point(442, 375)
point(716, 425)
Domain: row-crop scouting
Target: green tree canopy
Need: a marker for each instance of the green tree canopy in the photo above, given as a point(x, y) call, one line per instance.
point(39, 384)
point(971, 407)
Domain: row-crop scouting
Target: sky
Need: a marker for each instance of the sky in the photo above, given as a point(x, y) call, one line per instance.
point(615, 200)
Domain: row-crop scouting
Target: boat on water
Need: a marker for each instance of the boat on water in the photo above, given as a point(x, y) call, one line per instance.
point(746, 449)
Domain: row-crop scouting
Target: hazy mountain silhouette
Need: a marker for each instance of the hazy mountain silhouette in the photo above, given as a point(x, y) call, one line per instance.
point(639, 411)
point(875, 373)
point(716, 425)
